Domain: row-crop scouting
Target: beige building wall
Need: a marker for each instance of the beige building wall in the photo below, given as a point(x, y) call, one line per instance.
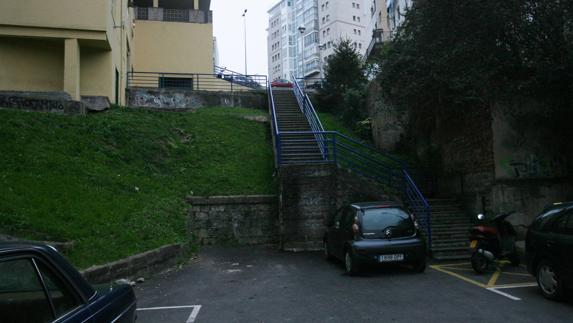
point(173, 47)
point(54, 45)
point(31, 64)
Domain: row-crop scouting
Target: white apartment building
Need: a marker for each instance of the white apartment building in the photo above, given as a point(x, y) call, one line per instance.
point(280, 51)
point(302, 33)
point(343, 20)
point(292, 39)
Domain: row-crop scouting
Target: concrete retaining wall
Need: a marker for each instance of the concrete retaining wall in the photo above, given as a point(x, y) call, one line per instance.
point(51, 102)
point(177, 99)
point(234, 219)
point(138, 265)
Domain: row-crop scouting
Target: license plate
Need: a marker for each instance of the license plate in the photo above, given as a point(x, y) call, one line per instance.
point(474, 244)
point(391, 258)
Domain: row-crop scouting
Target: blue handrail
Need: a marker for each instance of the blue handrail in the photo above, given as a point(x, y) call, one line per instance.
point(349, 153)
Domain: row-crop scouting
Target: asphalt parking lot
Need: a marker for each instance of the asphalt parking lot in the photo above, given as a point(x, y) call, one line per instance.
point(257, 284)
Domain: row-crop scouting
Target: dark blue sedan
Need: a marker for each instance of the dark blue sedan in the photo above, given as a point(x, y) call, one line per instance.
point(38, 285)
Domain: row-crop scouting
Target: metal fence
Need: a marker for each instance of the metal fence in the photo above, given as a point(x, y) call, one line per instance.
point(226, 82)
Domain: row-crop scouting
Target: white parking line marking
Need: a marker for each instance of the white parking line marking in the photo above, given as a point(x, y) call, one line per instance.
point(516, 286)
point(503, 294)
point(192, 316)
point(167, 307)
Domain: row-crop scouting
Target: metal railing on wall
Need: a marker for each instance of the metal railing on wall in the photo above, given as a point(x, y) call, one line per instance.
point(227, 82)
point(348, 153)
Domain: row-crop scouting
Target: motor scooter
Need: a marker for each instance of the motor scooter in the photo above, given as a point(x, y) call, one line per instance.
point(493, 239)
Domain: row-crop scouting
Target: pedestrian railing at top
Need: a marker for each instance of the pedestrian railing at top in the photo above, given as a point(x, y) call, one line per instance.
point(348, 153)
point(220, 81)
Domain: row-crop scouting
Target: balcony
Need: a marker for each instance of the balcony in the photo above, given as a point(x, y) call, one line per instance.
point(379, 37)
point(174, 15)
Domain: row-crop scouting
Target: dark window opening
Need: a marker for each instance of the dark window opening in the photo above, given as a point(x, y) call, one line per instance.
point(143, 3)
point(176, 82)
point(177, 4)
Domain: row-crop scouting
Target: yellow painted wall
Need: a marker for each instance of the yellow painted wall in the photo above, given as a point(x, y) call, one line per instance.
point(173, 47)
point(97, 73)
point(31, 64)
point(71, 14)
point(32, 57)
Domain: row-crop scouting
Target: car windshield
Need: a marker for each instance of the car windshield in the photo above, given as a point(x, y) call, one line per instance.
point(380, 219)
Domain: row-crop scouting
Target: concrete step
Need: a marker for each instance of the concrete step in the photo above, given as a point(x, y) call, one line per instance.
point(456, 226)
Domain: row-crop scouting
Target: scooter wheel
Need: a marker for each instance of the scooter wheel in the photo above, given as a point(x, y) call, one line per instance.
point(479, 263)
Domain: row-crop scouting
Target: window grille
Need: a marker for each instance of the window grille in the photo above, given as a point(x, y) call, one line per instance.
point(142, 14)
point(175, 15)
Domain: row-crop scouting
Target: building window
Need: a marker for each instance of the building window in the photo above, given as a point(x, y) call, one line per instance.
point(142, 14)
point(327, 17)
point(353, 5)
point(353, 18)
point(358, 19)
point(328, 31)
point(359, 32)
point(176, 82)
point(358, 6)
point(180, 15)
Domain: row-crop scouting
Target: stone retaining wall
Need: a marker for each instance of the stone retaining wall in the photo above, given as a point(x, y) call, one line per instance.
point(234, 219)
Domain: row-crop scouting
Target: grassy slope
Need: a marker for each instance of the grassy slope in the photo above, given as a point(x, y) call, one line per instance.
point(115, 182)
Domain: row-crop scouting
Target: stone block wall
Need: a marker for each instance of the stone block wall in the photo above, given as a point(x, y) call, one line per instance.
point(465, 140)
point(177, 99)
point(310, 194)
point(307, 196)
point(234, 219)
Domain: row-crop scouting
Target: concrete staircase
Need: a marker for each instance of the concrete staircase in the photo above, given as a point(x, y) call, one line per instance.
point(294, 147)
point(450, 227)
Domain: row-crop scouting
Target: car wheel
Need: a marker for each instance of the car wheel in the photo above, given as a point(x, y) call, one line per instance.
point(549, 281)
point(479, 263)
point(419, 266)
point(327, 254)
point(349, 263)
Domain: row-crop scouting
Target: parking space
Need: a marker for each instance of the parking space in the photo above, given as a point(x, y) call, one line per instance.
point(184, 313)
point(503, 280)
point(257, 284)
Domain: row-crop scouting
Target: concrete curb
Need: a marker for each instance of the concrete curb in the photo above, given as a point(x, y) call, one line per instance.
point(146, 263)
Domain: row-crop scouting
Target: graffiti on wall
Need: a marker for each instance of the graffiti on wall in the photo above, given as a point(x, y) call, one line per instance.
point(534, 166)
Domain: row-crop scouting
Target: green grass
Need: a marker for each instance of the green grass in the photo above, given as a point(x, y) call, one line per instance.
point(332, 123)
point(115, 182)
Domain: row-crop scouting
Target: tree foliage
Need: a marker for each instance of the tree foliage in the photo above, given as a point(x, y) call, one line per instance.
point(471, 52)
point(344, 89)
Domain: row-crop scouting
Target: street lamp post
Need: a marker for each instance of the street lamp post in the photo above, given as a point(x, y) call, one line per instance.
point(245, 32)
point(302, 29)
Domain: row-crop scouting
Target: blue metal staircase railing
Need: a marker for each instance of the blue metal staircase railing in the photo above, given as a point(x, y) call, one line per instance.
point(349, 153)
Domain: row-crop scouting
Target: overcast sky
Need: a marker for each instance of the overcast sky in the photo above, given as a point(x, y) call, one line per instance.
point(228, 28)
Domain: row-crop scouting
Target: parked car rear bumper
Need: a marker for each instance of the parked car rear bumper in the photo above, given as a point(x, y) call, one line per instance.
point(368, 251)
